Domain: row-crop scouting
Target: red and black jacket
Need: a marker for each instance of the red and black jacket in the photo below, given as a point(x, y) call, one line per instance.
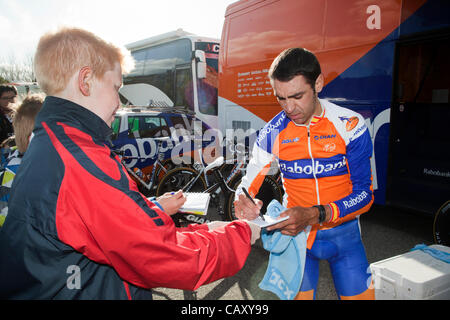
point(77, 227)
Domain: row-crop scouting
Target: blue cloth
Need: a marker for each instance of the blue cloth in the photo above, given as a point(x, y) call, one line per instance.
point(435, 253)
point(284, 273)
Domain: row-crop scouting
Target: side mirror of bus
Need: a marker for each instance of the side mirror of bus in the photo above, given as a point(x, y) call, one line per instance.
point(201, 63)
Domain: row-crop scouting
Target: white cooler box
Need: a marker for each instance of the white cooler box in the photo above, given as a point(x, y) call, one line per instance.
point(415, 275)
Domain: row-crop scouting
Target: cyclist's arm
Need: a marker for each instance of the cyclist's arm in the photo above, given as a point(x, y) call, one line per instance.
point(359, 152)
point(257, 168)
point(263, 153)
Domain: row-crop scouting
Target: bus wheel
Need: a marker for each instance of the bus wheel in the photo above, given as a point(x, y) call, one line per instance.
point(441, 225)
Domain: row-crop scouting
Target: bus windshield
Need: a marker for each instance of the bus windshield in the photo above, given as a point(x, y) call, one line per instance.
point(164, 73)
point(163, 77)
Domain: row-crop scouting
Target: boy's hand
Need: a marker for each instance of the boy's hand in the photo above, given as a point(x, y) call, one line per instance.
point(171, 202)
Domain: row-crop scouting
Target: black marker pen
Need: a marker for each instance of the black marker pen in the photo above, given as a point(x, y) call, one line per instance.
point(248, 196)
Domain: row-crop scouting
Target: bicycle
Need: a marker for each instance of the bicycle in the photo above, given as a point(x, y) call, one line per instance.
point(222, 190)
point(191, 180)
point(271, 187)
point(194, 178)
point(147, 183)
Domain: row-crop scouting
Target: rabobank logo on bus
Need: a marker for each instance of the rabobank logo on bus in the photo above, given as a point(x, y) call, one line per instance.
point(308, 169)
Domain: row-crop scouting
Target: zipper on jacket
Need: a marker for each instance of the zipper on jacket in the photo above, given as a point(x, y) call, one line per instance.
point(313, 165)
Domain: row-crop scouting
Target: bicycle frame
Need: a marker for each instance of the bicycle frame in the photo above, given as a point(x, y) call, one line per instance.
point(157, 165)
point(216, 163)
point(200, 165)
point(221, 180)
point(149, 186)
point(220, 185)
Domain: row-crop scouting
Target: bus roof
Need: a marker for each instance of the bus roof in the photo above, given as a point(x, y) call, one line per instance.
point(167, 37)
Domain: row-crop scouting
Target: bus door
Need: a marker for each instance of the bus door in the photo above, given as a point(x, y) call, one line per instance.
point(419, 170)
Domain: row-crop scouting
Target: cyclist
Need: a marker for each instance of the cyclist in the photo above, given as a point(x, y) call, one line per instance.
point(77, 227)
point(323, 152)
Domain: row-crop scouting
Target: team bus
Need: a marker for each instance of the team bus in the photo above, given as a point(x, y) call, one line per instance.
point(173, 86)
point(386, 59)
point(174, 69)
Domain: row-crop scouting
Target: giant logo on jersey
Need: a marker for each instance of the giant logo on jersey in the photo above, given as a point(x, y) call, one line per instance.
point(308, 168)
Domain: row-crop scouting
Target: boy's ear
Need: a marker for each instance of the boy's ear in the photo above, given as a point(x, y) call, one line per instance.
point(84, 80)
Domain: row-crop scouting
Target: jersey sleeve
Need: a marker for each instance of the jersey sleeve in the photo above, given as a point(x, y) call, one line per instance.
point(264, 152)
point(358, 154)
point(257, 168)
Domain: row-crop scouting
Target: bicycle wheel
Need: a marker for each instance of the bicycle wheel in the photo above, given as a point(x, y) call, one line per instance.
point(177, 178)
point(268, 191)
point(229, 205)
point(441, 225)
point(167, 165)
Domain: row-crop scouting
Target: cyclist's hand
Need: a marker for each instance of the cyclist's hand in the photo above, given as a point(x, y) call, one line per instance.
point(299, 219)
point(171, 202)
point(245, 209)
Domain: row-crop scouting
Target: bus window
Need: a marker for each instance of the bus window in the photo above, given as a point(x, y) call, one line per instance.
point(159, 66)
point(183, 84)
point(207, 88)
point(139, 58)
point(207, 97)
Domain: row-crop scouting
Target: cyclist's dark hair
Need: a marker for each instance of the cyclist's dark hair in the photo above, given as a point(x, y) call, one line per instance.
point(293, 62)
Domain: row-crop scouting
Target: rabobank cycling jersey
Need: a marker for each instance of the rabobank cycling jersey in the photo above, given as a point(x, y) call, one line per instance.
point(324, 162)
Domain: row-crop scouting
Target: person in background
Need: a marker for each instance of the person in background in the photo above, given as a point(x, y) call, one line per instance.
point(8, 96)
point(7, 147)
point(323, 152)
point(77, 226)
point(23, 124)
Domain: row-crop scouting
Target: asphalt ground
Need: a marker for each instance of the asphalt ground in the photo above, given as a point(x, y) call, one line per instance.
point(386, 232)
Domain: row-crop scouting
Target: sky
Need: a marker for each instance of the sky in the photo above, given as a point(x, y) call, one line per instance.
point(22, 22)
